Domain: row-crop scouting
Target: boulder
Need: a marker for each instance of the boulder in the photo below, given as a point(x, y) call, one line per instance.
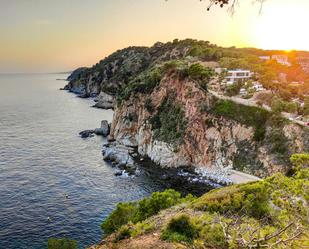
point(86, 133)
point(104, 129)
point(120, 155)
point(104, 101)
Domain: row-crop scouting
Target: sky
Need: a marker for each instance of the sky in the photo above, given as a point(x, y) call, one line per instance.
point(61, 35)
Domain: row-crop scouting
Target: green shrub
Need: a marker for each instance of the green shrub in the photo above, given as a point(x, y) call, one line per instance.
point(138, 211)
point(143, 83)
point(169, 123)
point(123, 233)
point(156, 202)
point(62, 243)
point(123, 213)
point(180, 229)
point(247, 115)
point(149, 106)
point(278, 141)
point(200, 74)
point(213, 236)
point(250, 198)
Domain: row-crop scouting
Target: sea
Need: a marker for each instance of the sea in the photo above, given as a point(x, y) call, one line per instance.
point(53, 183)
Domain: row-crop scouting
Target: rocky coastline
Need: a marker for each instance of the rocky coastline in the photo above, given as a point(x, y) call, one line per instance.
point(163, 112)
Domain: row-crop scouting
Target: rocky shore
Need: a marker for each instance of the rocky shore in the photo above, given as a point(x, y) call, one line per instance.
point(164, 112)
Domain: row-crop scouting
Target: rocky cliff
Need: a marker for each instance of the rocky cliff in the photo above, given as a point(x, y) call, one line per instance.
point(180, 124)
point(163, 109)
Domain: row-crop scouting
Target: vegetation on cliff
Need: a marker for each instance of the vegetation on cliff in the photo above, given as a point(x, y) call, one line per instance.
point(169, 122)
point(130, 65)
point(271, 213)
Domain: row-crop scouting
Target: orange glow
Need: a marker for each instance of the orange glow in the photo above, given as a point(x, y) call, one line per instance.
point(283, 26)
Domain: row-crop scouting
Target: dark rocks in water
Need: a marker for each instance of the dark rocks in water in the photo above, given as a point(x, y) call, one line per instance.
point(86, 133)
point(104, 130)
point(83, 96)
point(118, 173)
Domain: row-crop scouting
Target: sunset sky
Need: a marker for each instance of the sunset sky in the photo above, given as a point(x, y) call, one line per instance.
point(60, 35)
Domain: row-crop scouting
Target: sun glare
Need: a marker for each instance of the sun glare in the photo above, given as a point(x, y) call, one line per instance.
point(283, 27)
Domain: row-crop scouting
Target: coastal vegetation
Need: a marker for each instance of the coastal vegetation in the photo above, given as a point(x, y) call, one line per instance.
point(270, 213)
point(169, 122)
point(63, 243)
point(136, 212)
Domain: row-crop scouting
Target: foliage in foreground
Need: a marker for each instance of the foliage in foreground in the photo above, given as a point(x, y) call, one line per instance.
point(138, 211)
point(272, 213)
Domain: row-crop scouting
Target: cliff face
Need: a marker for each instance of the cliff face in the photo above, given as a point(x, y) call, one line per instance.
point(162, 108)
point(209, 142)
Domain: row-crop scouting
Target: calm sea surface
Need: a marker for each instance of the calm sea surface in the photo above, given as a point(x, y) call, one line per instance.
point(42, 159)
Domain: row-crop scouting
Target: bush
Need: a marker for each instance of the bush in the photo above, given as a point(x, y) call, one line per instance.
point(149, 106)
point(180, 229)
point(247, 115)
point(169, 123)
point(156, 202)
point(138, 211)
point(63, 243)
point(143, 83)
point(250, 198)
point(123, 213)
point(200, 74)
point(123, 233)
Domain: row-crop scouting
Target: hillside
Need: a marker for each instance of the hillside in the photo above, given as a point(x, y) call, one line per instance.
point(163, 110)
point(272, 213)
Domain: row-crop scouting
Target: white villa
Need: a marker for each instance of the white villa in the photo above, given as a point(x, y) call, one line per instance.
point(282, 59)
point(258, 87)
point(237, 75)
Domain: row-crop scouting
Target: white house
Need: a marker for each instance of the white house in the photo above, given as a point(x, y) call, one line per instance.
point(282, 59)
point(243, 91)
point(258, 87)
point(237, 75)
point(265, 58)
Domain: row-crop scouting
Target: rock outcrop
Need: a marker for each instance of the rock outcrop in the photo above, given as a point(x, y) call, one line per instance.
point(104, 130)
point(163, 110)
point(105, 101)
point(212, 144)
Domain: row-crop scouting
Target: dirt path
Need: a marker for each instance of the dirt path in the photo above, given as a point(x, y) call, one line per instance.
point(240, 177)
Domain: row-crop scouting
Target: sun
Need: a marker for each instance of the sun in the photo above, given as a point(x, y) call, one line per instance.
point(283, 27)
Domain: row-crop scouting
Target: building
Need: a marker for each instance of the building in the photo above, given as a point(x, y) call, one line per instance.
point(304, 63)
point(237, 75)
point(243, 91)
point(220, 70)
point(265, 58)
point(282, 59)
point(258, 87)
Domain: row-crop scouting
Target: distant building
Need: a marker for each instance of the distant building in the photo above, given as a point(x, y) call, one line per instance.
point(243, 91)
point(220, 70)
point(237, 75)
point(258, 87)
point(265, 58)
point(304, 63)
point(282, 59)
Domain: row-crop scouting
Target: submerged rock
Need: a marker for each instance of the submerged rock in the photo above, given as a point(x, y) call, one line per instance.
point(104, 130)
point(86, 133)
